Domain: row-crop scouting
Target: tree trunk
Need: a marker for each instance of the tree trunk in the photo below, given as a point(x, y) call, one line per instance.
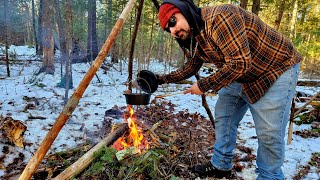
point(68, 64)
point(28, 24)
point(133, 40)
point(161, 46)
point(280, 14)
point(156, 4)
point(40, 37)
point(256, 7)
point(6, 36)
point(151, 40)
point(47, 42)
point(293, 19)
point(92, 44)
point(244, 4)
point(34, 27)
point(109, 16)
point(66, 81)
point(304, 12)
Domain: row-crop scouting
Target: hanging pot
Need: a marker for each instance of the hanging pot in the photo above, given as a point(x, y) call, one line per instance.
point(137, 98)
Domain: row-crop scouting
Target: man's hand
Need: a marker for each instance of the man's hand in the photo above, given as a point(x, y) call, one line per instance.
point(194, 89)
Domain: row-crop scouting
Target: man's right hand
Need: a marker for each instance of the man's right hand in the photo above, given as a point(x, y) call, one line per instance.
point(194, 89)
point(160, 79)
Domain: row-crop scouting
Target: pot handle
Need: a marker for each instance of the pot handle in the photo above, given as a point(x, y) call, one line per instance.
point(146, 83)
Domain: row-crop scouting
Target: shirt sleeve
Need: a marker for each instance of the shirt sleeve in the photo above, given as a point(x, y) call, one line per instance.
point(228, 32)
point(190, 68)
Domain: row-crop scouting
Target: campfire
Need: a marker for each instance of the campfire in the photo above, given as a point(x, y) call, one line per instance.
point(134, 138)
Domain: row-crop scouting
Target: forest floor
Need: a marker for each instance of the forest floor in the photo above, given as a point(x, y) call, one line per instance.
point(186, 135)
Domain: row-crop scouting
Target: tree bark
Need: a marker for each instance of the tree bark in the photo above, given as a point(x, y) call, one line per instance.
point(67, 57)
point(62, 41)
point(6, 37)
point(40, 38)
point(92, 44)
point(82, 163)
point(280, 14)
point(151, 40)
point(244, 4)
point(256, 7)
point(34, 27)
point(156, 4)
point(75, 98)
point(293, 19)
point(47, 40)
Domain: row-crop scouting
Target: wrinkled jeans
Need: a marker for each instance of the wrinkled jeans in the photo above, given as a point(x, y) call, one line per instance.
point(270, 115)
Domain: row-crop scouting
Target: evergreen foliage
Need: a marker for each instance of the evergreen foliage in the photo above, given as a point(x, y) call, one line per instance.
point(306, 32)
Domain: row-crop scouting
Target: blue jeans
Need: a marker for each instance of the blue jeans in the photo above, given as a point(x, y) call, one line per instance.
point(270, 115)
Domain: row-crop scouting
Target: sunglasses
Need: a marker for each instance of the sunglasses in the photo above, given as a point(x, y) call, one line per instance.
point(171, 23)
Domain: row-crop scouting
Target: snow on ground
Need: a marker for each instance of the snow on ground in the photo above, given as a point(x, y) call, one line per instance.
point(101, 96)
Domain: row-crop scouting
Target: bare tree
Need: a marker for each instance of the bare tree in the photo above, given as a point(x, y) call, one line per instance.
point(34, 27)
point(256, 7)
point(92, 43)
point(40, 48)
point(280, 14)
point(6, 36)
point(47, 37)
point(293, 19)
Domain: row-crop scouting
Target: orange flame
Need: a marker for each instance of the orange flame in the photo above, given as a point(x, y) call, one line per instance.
point(135, 137)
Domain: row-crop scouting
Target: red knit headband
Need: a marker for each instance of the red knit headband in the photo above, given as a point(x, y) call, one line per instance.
point(165, 12)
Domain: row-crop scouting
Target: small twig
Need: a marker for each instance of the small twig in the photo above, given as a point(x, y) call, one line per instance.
point(156, 125)
point(155, 138)
point(35, 117)
point(165, 95)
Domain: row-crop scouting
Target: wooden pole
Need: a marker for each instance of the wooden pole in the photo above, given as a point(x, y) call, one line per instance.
point(291, 122)
point(133, 41)
point(82, 163)
point(75, 98)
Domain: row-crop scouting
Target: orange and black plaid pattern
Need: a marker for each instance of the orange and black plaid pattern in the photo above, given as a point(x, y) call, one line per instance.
point(244, 49)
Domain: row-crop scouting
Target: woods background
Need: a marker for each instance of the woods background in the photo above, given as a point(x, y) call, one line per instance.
point(80, 27)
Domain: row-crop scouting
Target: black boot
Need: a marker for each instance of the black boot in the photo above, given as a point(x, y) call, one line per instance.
point(208, 170)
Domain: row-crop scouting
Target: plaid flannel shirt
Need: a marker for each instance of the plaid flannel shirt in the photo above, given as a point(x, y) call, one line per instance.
point(242, 47)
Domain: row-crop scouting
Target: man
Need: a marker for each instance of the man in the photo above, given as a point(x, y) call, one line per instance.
point(257, 70)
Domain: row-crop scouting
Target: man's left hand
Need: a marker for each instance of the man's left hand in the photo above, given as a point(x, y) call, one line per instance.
point(194, 89)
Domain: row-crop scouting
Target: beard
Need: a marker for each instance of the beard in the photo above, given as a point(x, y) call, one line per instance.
point(183, 35)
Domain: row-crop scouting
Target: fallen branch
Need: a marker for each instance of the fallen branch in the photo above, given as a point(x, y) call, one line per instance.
point(87, 158)
point(307, 103)
point(35, 117)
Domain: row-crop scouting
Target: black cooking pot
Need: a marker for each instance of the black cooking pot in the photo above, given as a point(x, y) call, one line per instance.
point(147, 81)
point(137, 98)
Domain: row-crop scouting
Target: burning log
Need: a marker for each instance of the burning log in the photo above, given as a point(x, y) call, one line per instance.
point(87, 158)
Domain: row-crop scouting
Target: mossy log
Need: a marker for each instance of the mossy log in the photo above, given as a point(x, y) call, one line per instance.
point(82, 163)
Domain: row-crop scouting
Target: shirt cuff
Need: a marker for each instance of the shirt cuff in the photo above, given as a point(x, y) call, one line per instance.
point(204, 85)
